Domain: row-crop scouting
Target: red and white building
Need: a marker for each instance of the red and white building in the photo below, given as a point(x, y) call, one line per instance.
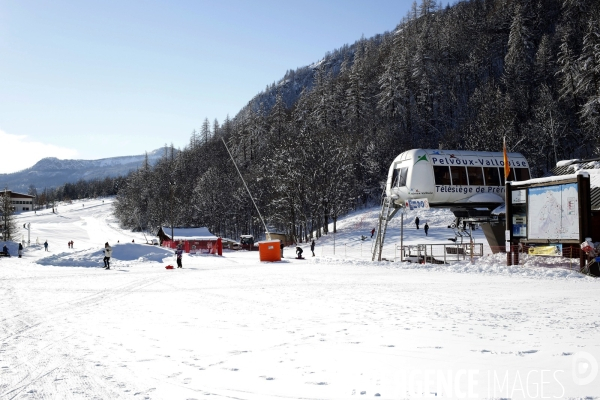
point(194, 240)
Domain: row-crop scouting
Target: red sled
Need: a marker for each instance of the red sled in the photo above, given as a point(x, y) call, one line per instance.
point(169, 267)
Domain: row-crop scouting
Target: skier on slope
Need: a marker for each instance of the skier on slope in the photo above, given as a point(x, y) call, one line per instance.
point(107, 255)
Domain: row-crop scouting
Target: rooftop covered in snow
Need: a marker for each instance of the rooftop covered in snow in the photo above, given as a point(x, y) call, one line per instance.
point(186, 234)
point(592, 167)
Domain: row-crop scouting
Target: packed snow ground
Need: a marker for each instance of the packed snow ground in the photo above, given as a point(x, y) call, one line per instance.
point(329, 327)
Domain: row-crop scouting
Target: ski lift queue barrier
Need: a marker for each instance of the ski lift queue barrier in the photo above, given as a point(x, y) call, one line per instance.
point(439, 253)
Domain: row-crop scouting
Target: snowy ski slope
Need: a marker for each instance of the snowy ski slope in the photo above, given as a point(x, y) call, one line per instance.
point(329, 327)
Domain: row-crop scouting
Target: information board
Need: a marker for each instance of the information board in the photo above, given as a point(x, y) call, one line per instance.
point(552, 212)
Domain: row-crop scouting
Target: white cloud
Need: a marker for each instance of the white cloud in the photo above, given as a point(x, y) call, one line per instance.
point(19, 152)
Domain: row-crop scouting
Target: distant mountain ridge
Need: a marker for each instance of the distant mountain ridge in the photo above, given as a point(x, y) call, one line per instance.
point(51, 172)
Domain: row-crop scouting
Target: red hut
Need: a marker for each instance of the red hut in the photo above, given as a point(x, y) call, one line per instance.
point(194, 240)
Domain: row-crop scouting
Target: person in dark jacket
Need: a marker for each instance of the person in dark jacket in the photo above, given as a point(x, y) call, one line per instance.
point(417, 222)
point(20, 250)
point(281, 246)
point(312, 247)
point(299, 252)
point(179, 254)
point(426, 228)
point(372, 232)
point(5, 249)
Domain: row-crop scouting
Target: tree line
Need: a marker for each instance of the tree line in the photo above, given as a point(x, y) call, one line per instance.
point(82, 189)
point(319, 143)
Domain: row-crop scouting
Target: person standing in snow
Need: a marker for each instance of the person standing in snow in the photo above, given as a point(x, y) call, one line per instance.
point(20, 250)
point(5, 249)
point(417, 222)
point(372, 232)
point(426, 228)
point(46, 245)
point(179, 254)
point(312, 247)
point(281, 246)
point(299, 252)
point(107, 255)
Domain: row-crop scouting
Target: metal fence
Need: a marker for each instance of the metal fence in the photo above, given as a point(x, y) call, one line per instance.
point(429, 253)
point(441, 253)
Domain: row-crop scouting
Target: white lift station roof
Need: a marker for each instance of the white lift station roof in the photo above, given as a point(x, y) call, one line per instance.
point(447, 178)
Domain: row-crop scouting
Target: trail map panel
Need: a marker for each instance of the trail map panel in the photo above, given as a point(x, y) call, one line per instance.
point(553, 212)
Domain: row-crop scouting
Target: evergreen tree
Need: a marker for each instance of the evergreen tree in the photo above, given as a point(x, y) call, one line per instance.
point(7, 210)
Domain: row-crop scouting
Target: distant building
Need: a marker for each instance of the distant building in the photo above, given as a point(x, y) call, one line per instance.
point(194, 240)
point(20, 201)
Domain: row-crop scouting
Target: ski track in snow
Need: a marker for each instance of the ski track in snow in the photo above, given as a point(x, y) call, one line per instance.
point(233, 327)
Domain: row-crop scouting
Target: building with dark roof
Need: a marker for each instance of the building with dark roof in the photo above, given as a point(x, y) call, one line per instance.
point(20, 201)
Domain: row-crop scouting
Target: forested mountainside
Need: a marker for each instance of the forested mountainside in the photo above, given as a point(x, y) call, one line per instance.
point(320, 141)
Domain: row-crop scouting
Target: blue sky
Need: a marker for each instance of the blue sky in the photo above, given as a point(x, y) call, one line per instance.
point(89, 80)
